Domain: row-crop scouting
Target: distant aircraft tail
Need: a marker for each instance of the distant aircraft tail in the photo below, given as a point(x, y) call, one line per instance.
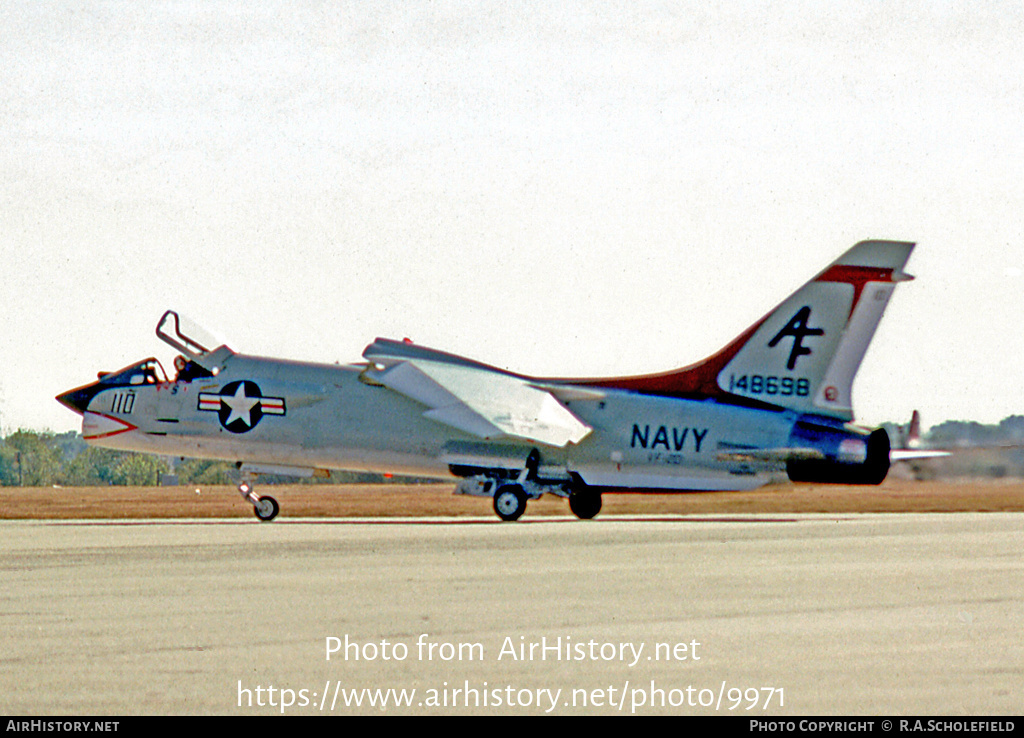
point(910, 448)
point(804, 354)
point(914, 431)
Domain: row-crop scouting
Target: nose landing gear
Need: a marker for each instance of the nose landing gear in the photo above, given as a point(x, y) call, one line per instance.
point(265, 508)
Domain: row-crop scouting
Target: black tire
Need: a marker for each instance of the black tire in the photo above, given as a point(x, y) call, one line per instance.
point(266, 509)
point(510, 502)
point(584, 502)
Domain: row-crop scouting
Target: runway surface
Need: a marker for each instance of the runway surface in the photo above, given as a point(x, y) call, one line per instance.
point(817, 614)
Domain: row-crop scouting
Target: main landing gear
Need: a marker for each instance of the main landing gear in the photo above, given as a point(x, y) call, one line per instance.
point(510, 502)
point(265, 508)
point(511, 489)
point(510, 499)
point(584, 502)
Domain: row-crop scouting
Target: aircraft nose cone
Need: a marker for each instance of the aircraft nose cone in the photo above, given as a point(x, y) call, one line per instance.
point(78, 399)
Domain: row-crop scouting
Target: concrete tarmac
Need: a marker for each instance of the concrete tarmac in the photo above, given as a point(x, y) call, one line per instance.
point(812, 614)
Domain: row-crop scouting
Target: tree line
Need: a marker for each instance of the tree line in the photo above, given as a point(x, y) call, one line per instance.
point(34, 459)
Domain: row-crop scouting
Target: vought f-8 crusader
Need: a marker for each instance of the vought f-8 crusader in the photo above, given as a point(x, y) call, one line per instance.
point(778, 397)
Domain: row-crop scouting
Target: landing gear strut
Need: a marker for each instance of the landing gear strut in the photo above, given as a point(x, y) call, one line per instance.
point(265, 508)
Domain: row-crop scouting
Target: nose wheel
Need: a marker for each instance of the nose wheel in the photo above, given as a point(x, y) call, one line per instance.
point(265, 508)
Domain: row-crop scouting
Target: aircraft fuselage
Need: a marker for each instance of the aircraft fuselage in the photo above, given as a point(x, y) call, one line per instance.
point(304, 415)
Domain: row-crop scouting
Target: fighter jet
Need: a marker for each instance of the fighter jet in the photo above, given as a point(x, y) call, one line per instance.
point(777, 399)
point(910, 447)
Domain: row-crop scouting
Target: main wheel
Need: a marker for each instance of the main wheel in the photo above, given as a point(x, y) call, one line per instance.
point(584, 502)
point(510, 502)
point(266, 509)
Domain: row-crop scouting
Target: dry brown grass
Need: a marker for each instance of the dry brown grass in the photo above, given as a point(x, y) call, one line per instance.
point(431, 500)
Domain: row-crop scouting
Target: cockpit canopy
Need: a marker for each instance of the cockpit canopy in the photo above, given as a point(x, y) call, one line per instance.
point(199, 346)
point(184, 335)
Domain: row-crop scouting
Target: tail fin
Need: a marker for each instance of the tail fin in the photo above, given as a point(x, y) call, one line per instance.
point(914, 431)
point(814, 341)
point(804, 354)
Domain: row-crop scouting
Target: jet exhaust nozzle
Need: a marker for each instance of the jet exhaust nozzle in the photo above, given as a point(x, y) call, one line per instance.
point(848, 458)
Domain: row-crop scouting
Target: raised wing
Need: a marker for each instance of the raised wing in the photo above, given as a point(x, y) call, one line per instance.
point(472, 397)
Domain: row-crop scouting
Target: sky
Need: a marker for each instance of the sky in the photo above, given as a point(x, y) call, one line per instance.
point(559, 189)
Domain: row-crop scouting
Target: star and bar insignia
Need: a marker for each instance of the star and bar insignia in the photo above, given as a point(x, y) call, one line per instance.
point(240, 405)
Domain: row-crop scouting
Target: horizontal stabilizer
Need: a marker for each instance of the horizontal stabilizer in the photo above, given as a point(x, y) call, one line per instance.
point(911, 455)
